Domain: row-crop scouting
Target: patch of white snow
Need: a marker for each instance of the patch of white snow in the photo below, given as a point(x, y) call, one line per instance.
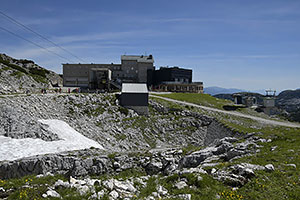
point(70, 139)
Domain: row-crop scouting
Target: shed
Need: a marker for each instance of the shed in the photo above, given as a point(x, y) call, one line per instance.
point(135, 96)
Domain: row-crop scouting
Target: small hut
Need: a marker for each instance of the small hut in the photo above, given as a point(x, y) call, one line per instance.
point(135, 96)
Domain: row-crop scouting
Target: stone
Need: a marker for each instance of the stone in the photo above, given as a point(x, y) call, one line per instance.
point(234, 153)
point(185, 196)
point(150, 198)
point(273, 148)
point(213, 170)
point(100, 194)
point(61, 184)
point(161, 190)
point(83, 189)
point(72, 180)
point(199, 178)
point(109, 184)
point(127, 186)
point(269, 167)
point(196, 158)
point(116, 165)
point(53, 193)
point(291, 165)
point(155, 194)
point(114, 194)
point(223, 148)
point(193, 170)
point(180, 185)
point(154, 167)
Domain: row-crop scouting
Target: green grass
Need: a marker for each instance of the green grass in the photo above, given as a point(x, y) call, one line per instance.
point(17, 74)
point(213, 102)
point(200, 99)
point(34, 189)
point(38, 75)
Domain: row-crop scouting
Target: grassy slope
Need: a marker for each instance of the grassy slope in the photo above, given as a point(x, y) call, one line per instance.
point(210, 101)
point(200, 99)
point(284, 182)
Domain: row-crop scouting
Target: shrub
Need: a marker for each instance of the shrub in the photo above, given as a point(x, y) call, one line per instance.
point(123, 110)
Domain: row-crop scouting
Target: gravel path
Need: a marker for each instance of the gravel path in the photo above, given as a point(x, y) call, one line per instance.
point(266, 121)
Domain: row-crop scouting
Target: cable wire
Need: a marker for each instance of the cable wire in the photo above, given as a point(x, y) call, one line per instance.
point(16, 35)
point(41, 36)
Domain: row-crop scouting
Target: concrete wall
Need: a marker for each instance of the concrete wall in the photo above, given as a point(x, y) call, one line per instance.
point(77, 75)
point(132, 69)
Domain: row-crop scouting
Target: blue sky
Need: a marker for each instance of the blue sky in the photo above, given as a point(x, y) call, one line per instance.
point(247, 44)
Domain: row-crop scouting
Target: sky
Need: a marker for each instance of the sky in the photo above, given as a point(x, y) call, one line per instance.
point(245, 44)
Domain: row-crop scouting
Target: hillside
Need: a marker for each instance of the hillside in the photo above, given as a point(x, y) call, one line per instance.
point(289, 100)
point(19, 76)
point(177, 152)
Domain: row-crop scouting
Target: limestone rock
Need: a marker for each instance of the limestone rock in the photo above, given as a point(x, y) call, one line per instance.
point(269, 167)
point(180, 185)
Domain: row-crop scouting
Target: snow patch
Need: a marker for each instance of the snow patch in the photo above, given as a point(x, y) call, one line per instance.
point(70, 139)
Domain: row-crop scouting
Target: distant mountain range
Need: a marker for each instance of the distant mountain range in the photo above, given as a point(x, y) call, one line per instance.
point(219, 90)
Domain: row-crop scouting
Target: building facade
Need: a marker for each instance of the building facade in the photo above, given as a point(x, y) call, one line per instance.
point(172, 74)
point(133, 69)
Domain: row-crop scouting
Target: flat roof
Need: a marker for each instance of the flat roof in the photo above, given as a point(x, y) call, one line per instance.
point(134, 88)
point(147, 59)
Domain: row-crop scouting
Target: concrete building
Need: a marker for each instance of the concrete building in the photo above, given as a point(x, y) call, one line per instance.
point(175, 79)
point(172, 74)
point(180, 87)
point(135, 96)
point(132, 69)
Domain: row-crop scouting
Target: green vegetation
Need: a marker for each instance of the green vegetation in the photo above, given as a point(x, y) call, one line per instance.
point(39, 71)
point(123, 110)
point(284, 182)
point(190, 148)
point(29, 187)
point(38, 74)
point(13, 66)
point(200, 99)
point(17, 74)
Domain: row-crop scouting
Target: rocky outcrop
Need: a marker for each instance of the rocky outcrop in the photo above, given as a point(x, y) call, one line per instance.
point(20, 76)
point(164, 161)
point(289, 101)
point(98, 117)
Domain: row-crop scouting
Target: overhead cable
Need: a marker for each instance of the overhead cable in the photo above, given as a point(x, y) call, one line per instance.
point(16, 35)
point(41, 36)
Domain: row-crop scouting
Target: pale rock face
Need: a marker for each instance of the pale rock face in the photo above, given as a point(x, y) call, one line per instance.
point(15, 81)
point(113, 194)
point(180, 185)
point(109, 184)
point(52, 193)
